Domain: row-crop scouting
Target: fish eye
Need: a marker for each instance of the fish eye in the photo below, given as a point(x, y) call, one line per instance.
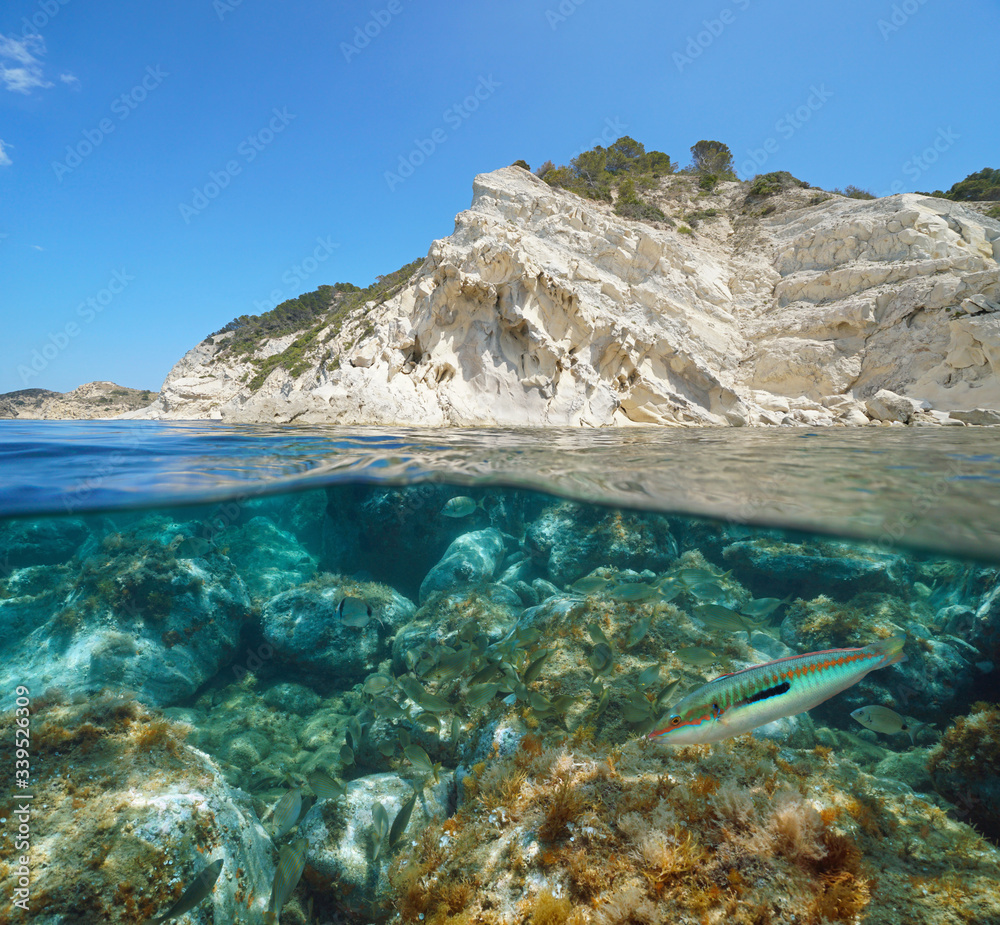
point(675, 720)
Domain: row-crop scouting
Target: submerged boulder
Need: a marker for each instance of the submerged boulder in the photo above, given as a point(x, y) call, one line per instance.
point(270, 560)
point(472, 558)
point(132, 815)
point(306, 631)
point(142, 621)
point(772, 568)
point(344, 837)
point(570, 540)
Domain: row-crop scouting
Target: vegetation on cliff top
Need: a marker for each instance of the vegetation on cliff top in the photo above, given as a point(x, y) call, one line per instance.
point(309, 313)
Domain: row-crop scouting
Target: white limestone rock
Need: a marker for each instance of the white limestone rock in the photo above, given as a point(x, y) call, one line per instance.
point(543, 308)
point(885, 405)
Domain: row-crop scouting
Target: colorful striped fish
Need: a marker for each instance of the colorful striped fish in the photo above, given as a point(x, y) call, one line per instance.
point(736, 703)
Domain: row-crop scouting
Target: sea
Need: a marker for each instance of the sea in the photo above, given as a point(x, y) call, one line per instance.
point(317, 674)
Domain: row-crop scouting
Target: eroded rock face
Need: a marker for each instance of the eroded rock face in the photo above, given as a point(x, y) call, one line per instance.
point(544, 308)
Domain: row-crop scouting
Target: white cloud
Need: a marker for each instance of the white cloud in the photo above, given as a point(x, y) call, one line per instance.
point(26, 72)
point(4, 156)
point(70, 80)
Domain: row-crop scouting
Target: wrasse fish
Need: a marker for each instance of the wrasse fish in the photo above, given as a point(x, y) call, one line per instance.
point(736, 703)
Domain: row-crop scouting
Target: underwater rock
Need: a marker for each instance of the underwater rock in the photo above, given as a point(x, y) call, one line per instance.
point(306, 631)
point(292, 698)
point(472, 558)
point(269, 559)
point(41, 542)
point(159, 627)
point(396, 534)
point(910, 767)
point(965, 768)
point(341, 837)
point(128, 815)
point(774, 569)
point(570, 540)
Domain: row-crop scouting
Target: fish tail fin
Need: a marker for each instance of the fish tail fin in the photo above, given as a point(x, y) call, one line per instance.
point(891, 650)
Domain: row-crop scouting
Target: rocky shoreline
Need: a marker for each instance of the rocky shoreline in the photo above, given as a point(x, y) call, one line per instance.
point(801, 307)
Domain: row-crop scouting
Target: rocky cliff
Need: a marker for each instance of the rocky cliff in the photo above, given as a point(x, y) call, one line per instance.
point(88, 401)
point(545, 308)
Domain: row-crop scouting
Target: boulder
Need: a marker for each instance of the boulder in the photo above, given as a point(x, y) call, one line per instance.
point(885, 405)
point(570, 540)
point(270, 560)
point(342, 841)
point(978, 416)
point(157, 813)
point(470, 559)
point(306, 631)
point(153, 624)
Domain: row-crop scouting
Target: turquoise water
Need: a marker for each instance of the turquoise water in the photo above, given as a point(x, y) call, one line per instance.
point(233, 642)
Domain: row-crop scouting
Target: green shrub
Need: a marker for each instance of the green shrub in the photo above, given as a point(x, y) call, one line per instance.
point(983, 186)
point(683, 229)
point(708, 181)
point(993, 212)
point(767, 184)
point(692, 218)
point(522, 164)
point(854, 192)
point(630, 205)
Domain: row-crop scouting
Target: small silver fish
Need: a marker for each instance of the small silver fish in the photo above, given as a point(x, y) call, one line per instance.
point(589, 585)
point(764, 606)
point(324, 786)
point(286, 811)
point(291, 863)
point(354, 612)
point(882, 719)
point(697, 656)
point(718, 617)
point(462, 506)
point(706, 591)
point(194, 894)
point(402, 820)
point(634, 592)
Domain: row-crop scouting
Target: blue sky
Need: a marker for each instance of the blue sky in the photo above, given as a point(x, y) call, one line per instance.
point(166, 167)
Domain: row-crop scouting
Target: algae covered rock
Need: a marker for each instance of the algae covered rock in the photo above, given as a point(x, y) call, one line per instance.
point(342, 836)
point(570, 540)
point(472, 558)
point(305, 629)
point(771, 568)
point(142, 621)
point(125, 815)
point(41, 542)
point(270, 560)
point(965, 767)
